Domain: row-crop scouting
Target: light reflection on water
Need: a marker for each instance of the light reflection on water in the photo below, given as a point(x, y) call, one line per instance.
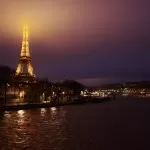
point(25, 128)
point(53, 109)
point(7, 114)
point(21, 113)
point(43, 111)
point(115, 125)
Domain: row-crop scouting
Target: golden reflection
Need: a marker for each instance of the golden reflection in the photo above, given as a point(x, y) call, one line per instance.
point(43, 111)
point(21, 117)
point(53, 109)
point(20, 113)
point(7, 114)
point(53, 112)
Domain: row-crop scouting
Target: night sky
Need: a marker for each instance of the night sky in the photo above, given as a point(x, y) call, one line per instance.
point(92, 41)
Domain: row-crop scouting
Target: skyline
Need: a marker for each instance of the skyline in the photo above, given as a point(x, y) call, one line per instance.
point(90, 41)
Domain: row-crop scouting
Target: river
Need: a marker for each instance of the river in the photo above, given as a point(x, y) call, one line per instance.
point(120, 124)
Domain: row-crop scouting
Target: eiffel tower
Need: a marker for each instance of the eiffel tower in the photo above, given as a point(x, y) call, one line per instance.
point(24, 71)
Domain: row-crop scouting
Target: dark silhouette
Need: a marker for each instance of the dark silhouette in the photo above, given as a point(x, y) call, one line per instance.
point(6, 74)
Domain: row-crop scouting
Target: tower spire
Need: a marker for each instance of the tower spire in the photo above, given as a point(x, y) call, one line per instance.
point(24, 67)
point(25, 42)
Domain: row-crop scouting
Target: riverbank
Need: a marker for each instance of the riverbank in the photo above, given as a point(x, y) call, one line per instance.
point(23, 106)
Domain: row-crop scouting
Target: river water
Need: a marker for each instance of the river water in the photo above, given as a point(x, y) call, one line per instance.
point(120, 124)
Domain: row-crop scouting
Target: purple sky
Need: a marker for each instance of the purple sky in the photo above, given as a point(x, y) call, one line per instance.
point(93, 41)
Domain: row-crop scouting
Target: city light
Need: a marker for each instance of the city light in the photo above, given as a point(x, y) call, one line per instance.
point(21, 94)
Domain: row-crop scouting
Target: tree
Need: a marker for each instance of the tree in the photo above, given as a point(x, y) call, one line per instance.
point(73, 85)
point(6, 74)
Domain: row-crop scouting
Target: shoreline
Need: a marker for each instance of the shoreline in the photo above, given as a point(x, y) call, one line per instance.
point(24, 106)
point(29, 106)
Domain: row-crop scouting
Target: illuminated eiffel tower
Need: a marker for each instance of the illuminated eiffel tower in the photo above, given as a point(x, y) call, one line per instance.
point(24, 71)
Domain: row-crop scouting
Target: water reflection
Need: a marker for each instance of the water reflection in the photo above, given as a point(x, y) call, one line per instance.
point(53, 109)
point(43, 111)
point(78, 127)
point(44, 128)
point(53, 112)
point(21, 113)
point(7, 114)
point(21, 117)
